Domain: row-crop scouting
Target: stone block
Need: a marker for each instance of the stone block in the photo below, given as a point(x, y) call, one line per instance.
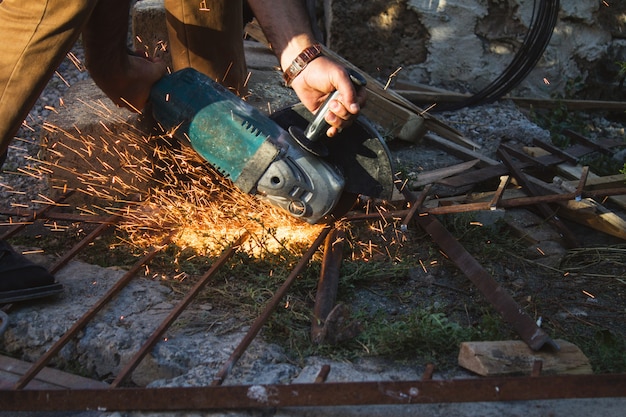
point(149, 30)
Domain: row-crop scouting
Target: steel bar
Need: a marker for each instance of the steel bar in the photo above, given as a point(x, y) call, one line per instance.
point(528, 330)
point(416, 207)
point(33, 216)
point(269, 309)
point(244, 397)
point(583, 180)
point(503, 203)
point(321, 323)
point(180, 307)
point(328, 283)
point(322, 375)
point(61, 262)
point(82, 322)
point(54, 215)
point(508, 308)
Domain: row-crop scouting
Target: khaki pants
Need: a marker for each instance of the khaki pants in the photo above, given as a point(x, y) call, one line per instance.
point(208, 36)
point(36, 35)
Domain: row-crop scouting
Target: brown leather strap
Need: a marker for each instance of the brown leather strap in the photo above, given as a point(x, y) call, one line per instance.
point(301, 61)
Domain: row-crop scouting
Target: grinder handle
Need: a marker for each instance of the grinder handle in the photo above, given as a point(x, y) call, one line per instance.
point(318, 127)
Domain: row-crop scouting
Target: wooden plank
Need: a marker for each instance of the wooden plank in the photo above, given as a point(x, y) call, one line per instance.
point(430, 177)
point(515, 357)
point(599, 183)
point(592, 214)
point(574, 173)
point(11, 370)
point(460, 152)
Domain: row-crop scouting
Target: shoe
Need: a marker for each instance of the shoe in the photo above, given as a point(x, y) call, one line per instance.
point(21, 279)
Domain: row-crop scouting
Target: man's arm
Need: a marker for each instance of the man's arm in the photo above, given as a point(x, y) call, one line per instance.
point(288, 29)
point(124, 78)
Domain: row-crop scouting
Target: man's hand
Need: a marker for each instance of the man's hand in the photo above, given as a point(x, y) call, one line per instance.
point(288, 29)
point(321, 77)
point(129, 86)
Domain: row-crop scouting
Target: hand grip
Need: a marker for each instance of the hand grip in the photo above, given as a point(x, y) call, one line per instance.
point(318, 127)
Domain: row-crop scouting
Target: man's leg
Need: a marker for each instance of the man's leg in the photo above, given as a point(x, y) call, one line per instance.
point(208, 36)
point(36, 35)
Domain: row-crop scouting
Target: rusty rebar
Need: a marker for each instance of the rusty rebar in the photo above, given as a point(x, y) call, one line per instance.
point(14, 229)
point(269, 309)
point(180, 307)
point(328, 283)
point(82, 322)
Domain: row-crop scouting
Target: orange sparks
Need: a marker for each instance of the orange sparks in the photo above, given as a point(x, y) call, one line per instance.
point(588, 294)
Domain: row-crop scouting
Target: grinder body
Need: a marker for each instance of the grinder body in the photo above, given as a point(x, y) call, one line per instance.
point(258, 155)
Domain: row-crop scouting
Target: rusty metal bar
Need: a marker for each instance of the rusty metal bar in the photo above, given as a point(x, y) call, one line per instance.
point(54, 215)
point(67, 336)
point(269, 308)
point(61, 262)
point(156, 335)
point(33, 216)
point(322, 375)
point(508, 308)
point(328, 284)
point(318, 394)
point(583, 180)
point(416, 207)
point(528, 330)
point(507, 203)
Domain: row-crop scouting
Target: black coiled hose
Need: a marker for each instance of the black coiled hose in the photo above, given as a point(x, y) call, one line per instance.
point(545, 16)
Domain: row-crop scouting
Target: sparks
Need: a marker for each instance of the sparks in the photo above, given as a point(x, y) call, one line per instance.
point(588, 294)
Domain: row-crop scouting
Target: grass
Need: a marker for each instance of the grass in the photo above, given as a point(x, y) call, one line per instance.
point(560, 119)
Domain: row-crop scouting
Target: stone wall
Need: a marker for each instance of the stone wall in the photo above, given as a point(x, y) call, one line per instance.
point(465, 44)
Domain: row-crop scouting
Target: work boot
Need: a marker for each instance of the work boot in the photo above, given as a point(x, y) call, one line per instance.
point(21, 279)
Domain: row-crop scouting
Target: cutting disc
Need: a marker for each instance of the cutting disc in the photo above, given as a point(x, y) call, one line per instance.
point(358, 152)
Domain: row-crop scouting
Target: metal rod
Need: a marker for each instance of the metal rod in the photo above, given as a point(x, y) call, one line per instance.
point(506, 203)
point(502, 301)
point(53, 215)
point(33, 216)
point(242, 397)
point(61, 262)
point(182, 305)
point(528, 330)
point(416, 206)
point(328, 283)
point(67, 336)
point(269, 308)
